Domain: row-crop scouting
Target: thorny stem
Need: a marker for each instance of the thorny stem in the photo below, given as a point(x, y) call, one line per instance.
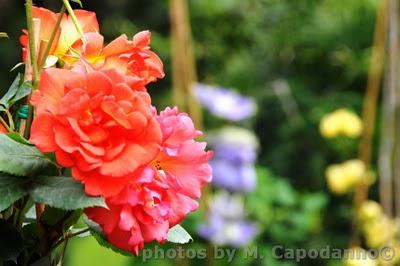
point(52, 37)
point(73, 17)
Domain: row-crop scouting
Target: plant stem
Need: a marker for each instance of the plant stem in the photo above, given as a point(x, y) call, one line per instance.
point(34, 36)
point(63, 252)
point(369, 111)
point(73, 17)
point(52, 37)
point(184, 73)
point(68, 236)
point(10, 120)
point(32, 46)
point(26, 204)
point(28, 124)
point(42, 238)
point(78, 233)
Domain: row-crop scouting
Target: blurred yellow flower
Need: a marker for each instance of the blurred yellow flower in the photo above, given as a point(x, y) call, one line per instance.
point(341, 122)
point(360, 258)
point(379, 232)
point(342, 178)
point(370, 210)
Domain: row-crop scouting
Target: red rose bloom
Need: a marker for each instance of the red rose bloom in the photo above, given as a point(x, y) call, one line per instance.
point(181, 156)
point(142, 212)
point(163, 193)
point(97, 125)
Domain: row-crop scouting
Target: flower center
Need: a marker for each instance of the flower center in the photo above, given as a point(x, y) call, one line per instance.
point(157, 165)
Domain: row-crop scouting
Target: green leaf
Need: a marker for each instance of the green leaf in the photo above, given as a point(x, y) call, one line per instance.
point(178, 234)
point(53, 216)
point(101, 239)
point(72, 219)
point(62, 219)
point(97, 233)
point(20, 159)
point(11, 189)
point(63, 193)
point(11, 92)
point(78, 2)
point(3, 35)
point(24, 90)
point(18, 138)
point(16, 92)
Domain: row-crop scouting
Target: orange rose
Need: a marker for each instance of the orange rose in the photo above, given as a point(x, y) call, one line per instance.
point(129, 57)
point(66, 35)
point(3, 129)
point(97, 125)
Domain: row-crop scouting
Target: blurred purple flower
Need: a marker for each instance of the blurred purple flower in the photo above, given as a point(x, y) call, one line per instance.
point(224, 103)
point(234, 177)
point(226, 224)
point(235, 152)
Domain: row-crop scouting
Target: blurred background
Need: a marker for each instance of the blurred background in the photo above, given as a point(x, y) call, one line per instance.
point(271, 74)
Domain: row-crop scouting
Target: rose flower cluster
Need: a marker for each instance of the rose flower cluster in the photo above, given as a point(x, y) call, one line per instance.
point(92, 110)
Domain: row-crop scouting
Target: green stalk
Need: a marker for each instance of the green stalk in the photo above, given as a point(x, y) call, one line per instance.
point(33, 61)
point(73, 17)
point(52, 37)
point(32, 52)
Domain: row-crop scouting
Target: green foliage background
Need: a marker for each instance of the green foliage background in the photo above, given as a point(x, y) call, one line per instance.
point(319, 48)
